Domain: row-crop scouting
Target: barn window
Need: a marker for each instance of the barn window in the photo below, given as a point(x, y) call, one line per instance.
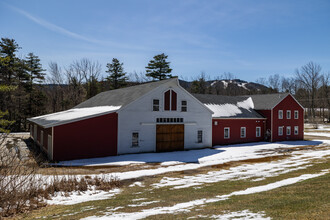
point(288, 114)
point(226, 133)
point(183, 106)
point(258, 131)
point(243, 132)
point(296, 114)
point(280, 114)
point(135, 139)
point(200, 136)
point(296, 130)
point(280, 131)
point(170, 100)
point(42, 138)
point(155, 105)
point(288, 130)
point(215, 122)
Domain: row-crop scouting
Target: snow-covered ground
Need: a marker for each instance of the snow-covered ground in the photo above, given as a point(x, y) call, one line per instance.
point(187, 206)
point(195, 159)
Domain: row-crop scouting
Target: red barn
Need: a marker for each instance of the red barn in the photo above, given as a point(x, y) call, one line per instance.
point(285, 116)
point(162, 116)
point(234, 119)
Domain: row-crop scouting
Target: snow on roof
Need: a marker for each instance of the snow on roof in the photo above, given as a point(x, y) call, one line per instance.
point(228, 110)
point(72, 115)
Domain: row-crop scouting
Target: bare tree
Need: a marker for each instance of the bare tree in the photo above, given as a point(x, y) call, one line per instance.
point(56, 89)
point(309, 76)
point(274, 82)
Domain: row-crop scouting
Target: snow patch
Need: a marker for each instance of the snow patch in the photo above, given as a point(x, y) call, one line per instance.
point(227, 110)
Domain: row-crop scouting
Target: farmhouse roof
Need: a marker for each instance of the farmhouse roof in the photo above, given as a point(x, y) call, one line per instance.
point(123, 96)
point(72, 115)
point(229, 106)
point(267, 101)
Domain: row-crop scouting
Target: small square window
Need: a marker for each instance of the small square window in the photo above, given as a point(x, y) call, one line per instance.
point(200, 136)
point(296, 130)
point(226, 133)
point(288, 130)
point(280, 131)
point(215, 122)
point(288, 114)
point(280, 114)
point(243, 132)
point(155, 105)
point(296, 114)
point(183, 106)
point(135, 139)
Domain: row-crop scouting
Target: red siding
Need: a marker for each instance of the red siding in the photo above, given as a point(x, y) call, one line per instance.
point(167, 100)
point(94, 137)
point(268, 115)
point(174, 100)
point(288, 104)
point(235, 130)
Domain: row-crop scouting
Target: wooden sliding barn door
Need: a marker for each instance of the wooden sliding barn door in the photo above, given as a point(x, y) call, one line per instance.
point(169, 137)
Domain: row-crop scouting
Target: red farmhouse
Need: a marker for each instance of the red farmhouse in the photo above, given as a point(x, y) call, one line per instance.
point(162, 116)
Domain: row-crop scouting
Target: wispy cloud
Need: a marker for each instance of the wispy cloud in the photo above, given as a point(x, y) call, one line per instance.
point(55, 28)
point(51, 26)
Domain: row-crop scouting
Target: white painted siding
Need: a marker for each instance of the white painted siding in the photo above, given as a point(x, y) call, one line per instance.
point(139, 117)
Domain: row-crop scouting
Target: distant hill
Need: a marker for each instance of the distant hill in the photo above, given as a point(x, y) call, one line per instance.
point(229, 87)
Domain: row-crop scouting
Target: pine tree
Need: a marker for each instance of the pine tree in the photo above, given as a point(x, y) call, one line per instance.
point(36, 76)
point(117, 76)
point(159, 68)
point(8, 60)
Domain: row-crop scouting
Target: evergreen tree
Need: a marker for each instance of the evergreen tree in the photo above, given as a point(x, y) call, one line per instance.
point(159, 68)
point(37, 99)
point(117, 76)
point(8, 60)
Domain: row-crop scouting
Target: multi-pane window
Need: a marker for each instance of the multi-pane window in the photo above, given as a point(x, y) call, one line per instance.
point(199, 136)
point(169, 120)
point(296, 114)
point(183, 106)
point(135, 139)
point(155, 105)
point(288, 114)
point(280, 114)
point(243, 132)
point(226, 133)
point(288, 130)
point(296, 130)
point(258, 131)
point(280, 131)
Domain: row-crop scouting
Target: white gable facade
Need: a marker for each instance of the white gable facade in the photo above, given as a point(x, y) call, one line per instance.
point(137, 122)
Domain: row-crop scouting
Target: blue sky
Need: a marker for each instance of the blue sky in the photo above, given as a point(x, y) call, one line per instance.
point(250, 39)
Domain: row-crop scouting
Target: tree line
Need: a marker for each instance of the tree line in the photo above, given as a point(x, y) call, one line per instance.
point(26, 91)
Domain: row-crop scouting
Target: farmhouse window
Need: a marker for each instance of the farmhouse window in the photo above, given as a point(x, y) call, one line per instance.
point(280, 131)
point(296, 114)
point(183, 106)
point(288, 114)
point(200, 136)
point(258, 131)
point(135, 139)
point(296, 130)
point(170, 100)
point(243, 132)
point(280, 114)
point(226, 133)
point(42, 138)
point(169, 120)
point(288, 130)
point(155, 105)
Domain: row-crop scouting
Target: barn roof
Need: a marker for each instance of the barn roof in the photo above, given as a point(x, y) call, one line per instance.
point(267, 101)
point(229, 106)
point(123, 96)
point(72, 115)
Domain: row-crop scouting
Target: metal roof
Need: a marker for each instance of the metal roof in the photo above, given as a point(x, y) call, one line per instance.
point(123, 96)
point(267, 101)
point(229, 106)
